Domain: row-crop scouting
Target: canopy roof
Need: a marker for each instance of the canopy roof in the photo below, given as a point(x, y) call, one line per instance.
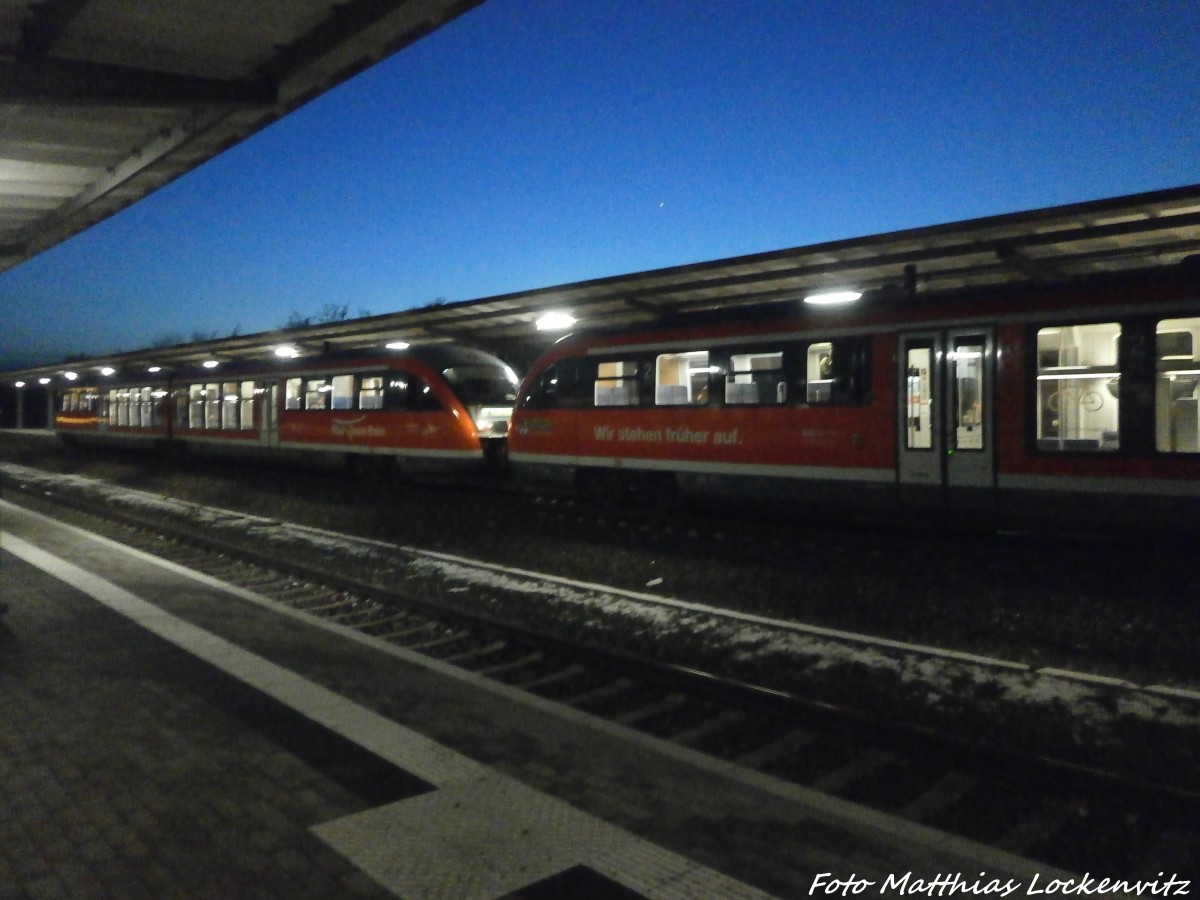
point(104, 101)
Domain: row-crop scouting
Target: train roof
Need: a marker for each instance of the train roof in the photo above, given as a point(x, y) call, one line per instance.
point(1151, 233)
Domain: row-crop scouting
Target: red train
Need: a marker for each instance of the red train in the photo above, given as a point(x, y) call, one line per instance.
point(1077, 404)
point(441, 407)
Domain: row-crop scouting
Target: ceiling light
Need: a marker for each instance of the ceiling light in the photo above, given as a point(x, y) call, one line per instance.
point(43, 381)
point(555, 321)
point(211, 364)
point(286, 352)
point(830, 298)
point(19, 384)
point(70, 376)
point(154, 369)
point(397, 345)
point(108, 370)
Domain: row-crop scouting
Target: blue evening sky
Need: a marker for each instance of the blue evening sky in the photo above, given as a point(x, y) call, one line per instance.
point(541, 142)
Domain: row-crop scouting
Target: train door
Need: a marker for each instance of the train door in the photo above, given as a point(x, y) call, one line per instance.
point(269, 414)
point(945, 398)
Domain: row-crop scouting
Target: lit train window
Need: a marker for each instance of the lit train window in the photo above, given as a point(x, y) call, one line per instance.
point(1177, 386)
point(316, 394)
point(212, 405)
point(1078, 388)
point(966, 379)
point(681, 379)
point(196, 406)
point(123, 407)
point(918, 395)
point(247, 405)
point(292, 399)
point(230, 403)
point(181, 408)
point(343, 392)
point(756, 378)
point(616, 383)
point(818, 369)
point(114, 406)
point(370, 395)
point(148, 417)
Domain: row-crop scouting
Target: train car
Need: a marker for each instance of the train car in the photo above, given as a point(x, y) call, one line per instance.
point(437, 408)
point(1075, 404)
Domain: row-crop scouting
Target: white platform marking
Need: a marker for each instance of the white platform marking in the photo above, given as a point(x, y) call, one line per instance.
point(481, 835)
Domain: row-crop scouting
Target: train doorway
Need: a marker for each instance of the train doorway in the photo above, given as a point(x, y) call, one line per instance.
point(946, 436)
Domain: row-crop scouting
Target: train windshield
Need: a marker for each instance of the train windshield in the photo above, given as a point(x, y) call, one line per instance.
point(479, 383)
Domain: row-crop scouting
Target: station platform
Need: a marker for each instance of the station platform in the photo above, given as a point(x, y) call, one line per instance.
point(163, 734)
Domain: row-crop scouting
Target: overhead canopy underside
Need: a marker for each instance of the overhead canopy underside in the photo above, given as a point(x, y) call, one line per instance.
point(1057, 245)
point(104, 101)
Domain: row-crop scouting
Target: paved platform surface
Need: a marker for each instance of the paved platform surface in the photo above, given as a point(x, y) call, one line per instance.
point(163, 735)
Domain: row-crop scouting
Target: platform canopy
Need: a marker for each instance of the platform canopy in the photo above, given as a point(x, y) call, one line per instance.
point(1056, 245)
point(104, 101)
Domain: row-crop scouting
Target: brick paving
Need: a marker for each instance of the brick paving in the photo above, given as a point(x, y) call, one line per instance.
point(122, 776)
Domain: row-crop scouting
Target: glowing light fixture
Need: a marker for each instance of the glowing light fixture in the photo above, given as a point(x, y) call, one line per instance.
point(70, 376)
point(19, 384)
point(108, 370)
point(43, 381)
point(397, 345)
point(211, 363)
point(286, 352)
point(154, 369)
point(555, 321)
point(832, 298)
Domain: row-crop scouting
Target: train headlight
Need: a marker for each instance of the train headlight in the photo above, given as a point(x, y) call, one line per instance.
point(492, 421)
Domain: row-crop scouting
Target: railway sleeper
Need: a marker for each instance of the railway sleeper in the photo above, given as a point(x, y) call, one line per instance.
point(722, 721)
point(498, 669)
point(458, 659)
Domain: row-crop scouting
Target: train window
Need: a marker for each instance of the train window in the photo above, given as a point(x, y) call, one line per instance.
point(370, 393)
point(212, 406)
point(918, 396)
point(292, 395)
point(1177, 386)
point(343, 392)
point(396, 393)
point(1078, 387)
point(756, 378)
point(149, 417)
point(483, 384)
point(123, 407)
point(966, 378)
point(819, 372)
point(113, 406)
point(181, 408)
point(421, 397)
point(616, 383)
point(681, 379)
point(247, 405)
point(316, 393)
point(196, 406)
point(160, 406)
point(230, 403)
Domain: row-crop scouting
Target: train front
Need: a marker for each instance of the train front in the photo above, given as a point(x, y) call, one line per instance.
point(487, 389)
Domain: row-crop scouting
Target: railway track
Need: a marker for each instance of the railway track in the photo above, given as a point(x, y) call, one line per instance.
point(1062, 815)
